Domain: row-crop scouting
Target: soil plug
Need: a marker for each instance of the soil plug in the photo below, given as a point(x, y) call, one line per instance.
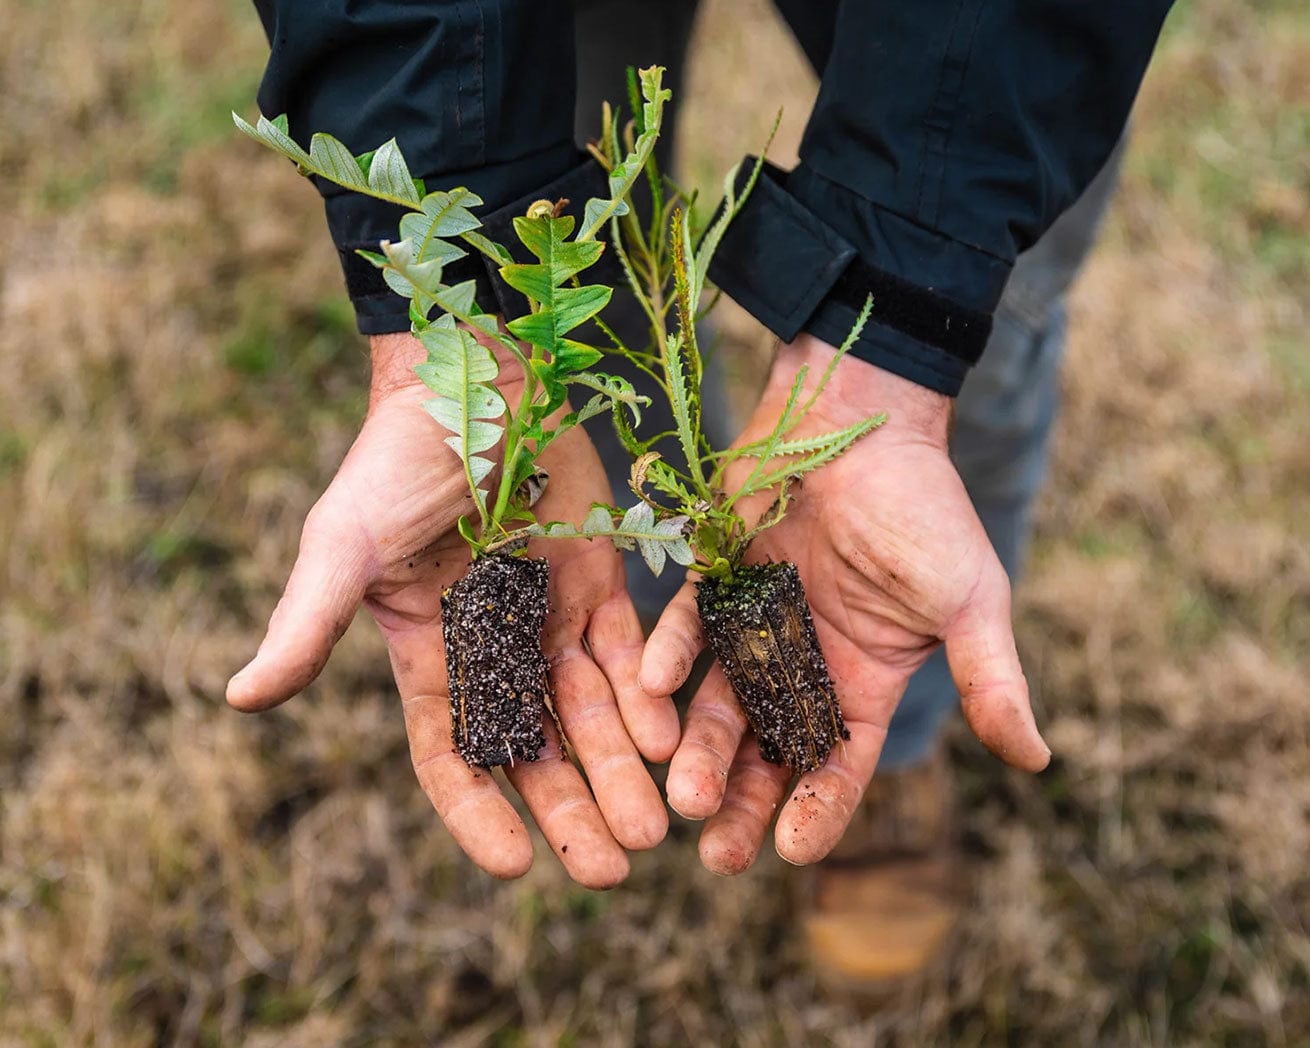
point(498, 675)
point(759, 627)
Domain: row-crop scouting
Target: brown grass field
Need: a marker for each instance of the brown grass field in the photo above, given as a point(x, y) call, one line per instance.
point(180, 377)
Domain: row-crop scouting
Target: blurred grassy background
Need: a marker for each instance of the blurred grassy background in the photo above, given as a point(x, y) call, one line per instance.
point(181, 376)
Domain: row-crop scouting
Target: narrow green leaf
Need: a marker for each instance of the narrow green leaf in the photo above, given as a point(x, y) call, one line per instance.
point(625, 173)
point(682, 412)
point(496, 252)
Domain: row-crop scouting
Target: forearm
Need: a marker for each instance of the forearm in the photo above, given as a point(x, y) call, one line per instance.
point(946, 139)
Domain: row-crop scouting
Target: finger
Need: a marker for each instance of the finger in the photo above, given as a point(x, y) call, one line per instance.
point(319, 602)
point(559, 800)
point(483, 823)
point(732, 837)
point(616, 642)
point(993, 690)
point(623, 788)
point(698, 773)
point(673, 645)
point(824, 800)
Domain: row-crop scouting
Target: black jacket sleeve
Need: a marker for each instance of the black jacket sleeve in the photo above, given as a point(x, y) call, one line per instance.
point(947, 137)
point(476, 94)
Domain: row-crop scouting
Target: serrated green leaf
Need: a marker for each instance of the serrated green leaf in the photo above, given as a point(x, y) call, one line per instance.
point(597, 521)
point(481, 436)
point(449, 211)
point(330, 157)
point(616, 389)
point(388, 173)
point(561, 309)
point(640, 517)
point(458, 298)
point(479, 469)
point(638, 529)
point(597, 405)
point(841, 441)
point(441, 214)
point(455, 358)
point(680, 402)
point(559, 258)
point(459, 369)
point(415, 228)
point(662, 478)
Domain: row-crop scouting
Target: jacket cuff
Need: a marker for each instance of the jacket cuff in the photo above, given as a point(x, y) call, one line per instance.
point(357, 221)
point(805, 253)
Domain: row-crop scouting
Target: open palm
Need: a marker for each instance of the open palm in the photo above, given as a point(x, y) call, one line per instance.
point(383, 535)
point(895, 562)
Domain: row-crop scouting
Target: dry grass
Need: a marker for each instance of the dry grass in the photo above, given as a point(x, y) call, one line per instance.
point(181, 378)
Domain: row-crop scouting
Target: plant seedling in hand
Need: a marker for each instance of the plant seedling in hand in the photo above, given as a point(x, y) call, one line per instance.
point(493, 617)
point(755, 616)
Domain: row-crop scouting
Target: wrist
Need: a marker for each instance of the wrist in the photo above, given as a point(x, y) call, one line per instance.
point(859, 390)
point(393, 357)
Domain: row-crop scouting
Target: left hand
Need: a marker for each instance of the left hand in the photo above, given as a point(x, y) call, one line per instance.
point(383, 535)
point(895, 562)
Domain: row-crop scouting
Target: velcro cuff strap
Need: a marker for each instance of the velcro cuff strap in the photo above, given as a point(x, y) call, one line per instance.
point(916, 311)
point(781, 263)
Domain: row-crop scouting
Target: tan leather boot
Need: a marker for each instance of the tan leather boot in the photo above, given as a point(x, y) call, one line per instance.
point(885, 903)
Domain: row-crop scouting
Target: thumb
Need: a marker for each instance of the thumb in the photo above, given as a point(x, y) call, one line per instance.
point(319, 602)
point(993, 691)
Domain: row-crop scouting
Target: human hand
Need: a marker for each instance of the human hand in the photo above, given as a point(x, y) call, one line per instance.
point(895, 561)
point(383, 535)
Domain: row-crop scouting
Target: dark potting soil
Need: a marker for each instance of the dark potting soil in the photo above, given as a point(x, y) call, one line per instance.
point(759, 627)
point(499, 687)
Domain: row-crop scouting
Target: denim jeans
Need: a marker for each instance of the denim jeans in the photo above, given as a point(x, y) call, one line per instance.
point(1008, 405)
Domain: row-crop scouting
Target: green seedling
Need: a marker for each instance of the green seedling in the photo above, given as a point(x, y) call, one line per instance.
point(492, 617)
point(755, 616)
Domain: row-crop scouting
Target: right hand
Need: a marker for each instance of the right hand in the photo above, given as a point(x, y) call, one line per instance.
point(383, 535)
point(895, 563)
